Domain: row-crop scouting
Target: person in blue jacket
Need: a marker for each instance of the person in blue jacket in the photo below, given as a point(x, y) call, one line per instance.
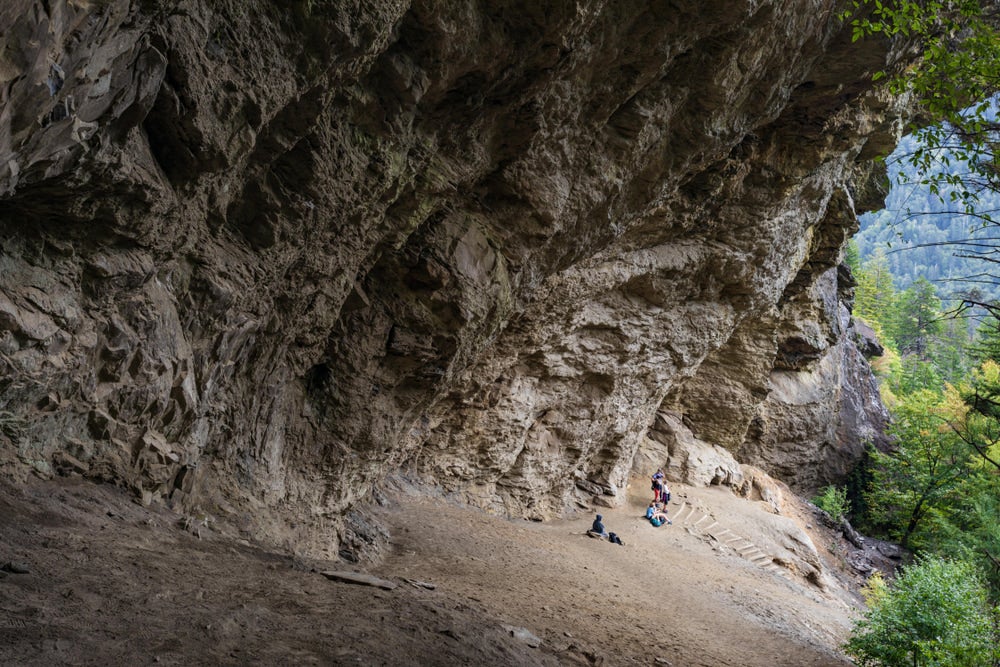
point(599, 530)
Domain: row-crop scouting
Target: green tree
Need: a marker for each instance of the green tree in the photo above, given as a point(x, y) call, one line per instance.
point(833, 500)
point(915, 374)
point(950, 350)
point(964, 520)
point(980, 427)
point(936, 614)
point(968, 527)
point(953, 80)
point(918, 320)
point(852, 256)
point(875, 295)
point(929, 462)
point(987, 341)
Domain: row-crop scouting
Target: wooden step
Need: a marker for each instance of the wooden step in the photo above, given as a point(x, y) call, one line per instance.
point(680, 513)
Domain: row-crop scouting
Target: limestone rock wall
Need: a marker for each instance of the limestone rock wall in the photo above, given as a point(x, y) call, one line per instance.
point(818, 418)
point(254, 259)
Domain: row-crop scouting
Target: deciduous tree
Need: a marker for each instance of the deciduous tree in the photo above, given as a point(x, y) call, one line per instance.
point(936, 614)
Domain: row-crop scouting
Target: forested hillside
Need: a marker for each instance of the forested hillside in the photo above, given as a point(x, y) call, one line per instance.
point(938, 491)
point(927, 230)
point(925, 279)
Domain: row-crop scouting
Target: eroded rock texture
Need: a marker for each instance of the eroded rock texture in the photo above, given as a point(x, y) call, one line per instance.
point(254, 259)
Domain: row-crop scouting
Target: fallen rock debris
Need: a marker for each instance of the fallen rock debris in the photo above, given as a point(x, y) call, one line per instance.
point(359, 578)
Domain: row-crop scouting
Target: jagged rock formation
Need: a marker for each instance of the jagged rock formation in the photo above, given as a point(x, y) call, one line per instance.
point(254, 259)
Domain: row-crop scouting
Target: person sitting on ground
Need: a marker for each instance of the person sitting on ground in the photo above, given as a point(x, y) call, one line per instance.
point(651, 510)
point(661, 517)
point(598, 530)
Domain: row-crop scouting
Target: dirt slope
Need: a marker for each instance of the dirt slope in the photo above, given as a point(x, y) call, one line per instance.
point(112, 583)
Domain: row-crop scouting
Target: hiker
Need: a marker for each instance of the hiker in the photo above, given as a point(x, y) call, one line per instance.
point(651, 510)
point(659, 518)
point(658, 482)
point(664, 493)
point(598, 530)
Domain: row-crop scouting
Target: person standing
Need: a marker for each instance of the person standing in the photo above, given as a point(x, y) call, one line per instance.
point(658, 482)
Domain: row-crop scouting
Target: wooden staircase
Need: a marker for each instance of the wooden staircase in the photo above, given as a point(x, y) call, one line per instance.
point(701, 524)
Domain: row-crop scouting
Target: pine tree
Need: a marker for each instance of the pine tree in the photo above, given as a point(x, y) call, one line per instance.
point(875, 295)
point(918, 319)
point(987, 341)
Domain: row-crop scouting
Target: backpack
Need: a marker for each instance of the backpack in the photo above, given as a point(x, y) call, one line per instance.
point(656, 522)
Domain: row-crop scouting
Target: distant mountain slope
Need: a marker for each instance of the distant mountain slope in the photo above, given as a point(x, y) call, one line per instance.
point(918, 230)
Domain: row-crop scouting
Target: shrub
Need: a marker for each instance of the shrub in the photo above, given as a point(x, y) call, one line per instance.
point(875, 589)
point(833, 501)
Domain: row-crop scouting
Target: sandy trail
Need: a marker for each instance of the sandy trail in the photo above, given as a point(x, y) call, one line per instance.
point(113, 583)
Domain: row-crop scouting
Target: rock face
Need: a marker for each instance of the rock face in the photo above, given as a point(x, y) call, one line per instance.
point(255, 259)
point(805, 407)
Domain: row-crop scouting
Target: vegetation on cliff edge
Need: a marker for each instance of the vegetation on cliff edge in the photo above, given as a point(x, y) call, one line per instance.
point(938, 491)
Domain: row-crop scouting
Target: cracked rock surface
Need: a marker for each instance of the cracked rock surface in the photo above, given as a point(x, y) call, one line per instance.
point(254, 260)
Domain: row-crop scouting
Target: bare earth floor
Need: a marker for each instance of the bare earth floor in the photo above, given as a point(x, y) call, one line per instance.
point(112, 583)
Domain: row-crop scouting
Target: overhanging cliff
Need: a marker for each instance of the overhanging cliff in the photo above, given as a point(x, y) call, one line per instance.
point(255, 259)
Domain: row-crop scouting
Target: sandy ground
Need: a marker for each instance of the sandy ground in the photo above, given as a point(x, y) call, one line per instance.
point(112, 583)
